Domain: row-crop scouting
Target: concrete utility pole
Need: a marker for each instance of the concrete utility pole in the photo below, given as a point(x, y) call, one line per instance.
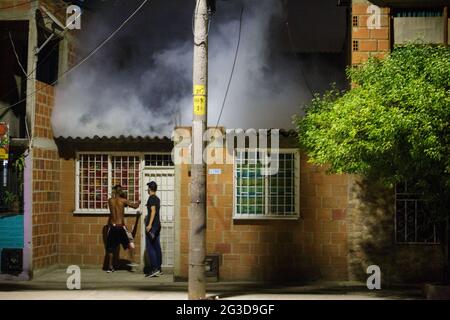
point(197, 214)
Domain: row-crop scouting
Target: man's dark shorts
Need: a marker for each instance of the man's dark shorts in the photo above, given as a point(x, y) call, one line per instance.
point(116, 236)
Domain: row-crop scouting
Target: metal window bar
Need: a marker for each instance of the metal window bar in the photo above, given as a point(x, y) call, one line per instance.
point(415, 220)
point(91, 194)
point(159, 160)
point(240, 181)
point(406, 221)
point(88, 182)
point(275, 194)
point(293, 184)
point(405, 197)
point(125, 171)
point(94, 199)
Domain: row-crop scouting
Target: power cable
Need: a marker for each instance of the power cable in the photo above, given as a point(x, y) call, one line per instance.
point(15, 53)
point(232, 69)
point(65, 30)
point(40, 62)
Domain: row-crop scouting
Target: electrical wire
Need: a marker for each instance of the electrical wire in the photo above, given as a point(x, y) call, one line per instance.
point(40, 62)
point(15, 53)
point(88, 56)
point(65, 30)
point(232, 69)
point(18, 5)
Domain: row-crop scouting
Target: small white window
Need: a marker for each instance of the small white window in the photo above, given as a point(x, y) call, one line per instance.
point(158, 160)
point(258, 196)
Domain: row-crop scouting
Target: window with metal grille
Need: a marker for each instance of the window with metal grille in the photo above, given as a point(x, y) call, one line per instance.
point(412, 218)
point(125, 171)
point(265, 196)
point(97, 173)
point(158, 160)
point(93, 181)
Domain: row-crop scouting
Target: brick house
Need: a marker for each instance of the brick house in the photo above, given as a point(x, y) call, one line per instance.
point(43, 48)
point(301, 224)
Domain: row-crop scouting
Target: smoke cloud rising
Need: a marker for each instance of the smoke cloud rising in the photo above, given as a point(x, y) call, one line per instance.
point(141, 82)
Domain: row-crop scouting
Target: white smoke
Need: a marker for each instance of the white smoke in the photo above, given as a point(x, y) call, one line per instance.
point(265, 91)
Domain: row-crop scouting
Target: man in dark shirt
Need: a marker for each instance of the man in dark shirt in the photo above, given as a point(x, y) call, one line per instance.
point(152, 230)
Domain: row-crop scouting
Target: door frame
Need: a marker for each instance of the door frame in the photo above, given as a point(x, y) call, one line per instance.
point(147, 170)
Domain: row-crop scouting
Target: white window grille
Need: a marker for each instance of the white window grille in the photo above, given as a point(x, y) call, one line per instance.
point(158, 160)
point(266, 196)
point(125, 171)
point(412, 219)
point(97, 173)
point(93, 181)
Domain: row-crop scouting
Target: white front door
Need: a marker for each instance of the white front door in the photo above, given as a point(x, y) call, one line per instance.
point(165, 179)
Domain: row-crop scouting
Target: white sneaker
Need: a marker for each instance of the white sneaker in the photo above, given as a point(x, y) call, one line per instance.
point(153, 274)
point(132, 264)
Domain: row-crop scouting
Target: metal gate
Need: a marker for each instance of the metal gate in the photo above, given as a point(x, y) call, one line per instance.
point(165, 179)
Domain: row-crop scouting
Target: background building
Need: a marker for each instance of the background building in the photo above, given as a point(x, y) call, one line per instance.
point(301, 224)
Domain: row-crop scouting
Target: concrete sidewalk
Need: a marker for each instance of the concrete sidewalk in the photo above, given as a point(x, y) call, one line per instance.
point(125, 285)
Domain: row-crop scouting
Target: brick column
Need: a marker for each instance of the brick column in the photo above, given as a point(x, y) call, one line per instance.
point(46, 182)
point(368, 42)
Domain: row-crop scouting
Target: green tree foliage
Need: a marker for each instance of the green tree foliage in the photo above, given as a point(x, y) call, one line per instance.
point(393, 125)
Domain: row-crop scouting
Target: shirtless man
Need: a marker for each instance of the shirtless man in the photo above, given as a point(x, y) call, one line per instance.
point(117, 233)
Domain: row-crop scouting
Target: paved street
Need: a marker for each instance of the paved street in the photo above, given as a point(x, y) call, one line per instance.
point(124, 285)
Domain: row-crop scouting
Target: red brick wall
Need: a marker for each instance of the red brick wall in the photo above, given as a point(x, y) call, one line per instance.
point(46, 184)
point(314, 246)
point(45, 207)
point(45, 101)
point(370, 42)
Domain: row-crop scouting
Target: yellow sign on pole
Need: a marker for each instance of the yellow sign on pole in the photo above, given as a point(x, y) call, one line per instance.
point(199, 105)
point(4, 141)
point(199, 90)
point(199, 100)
